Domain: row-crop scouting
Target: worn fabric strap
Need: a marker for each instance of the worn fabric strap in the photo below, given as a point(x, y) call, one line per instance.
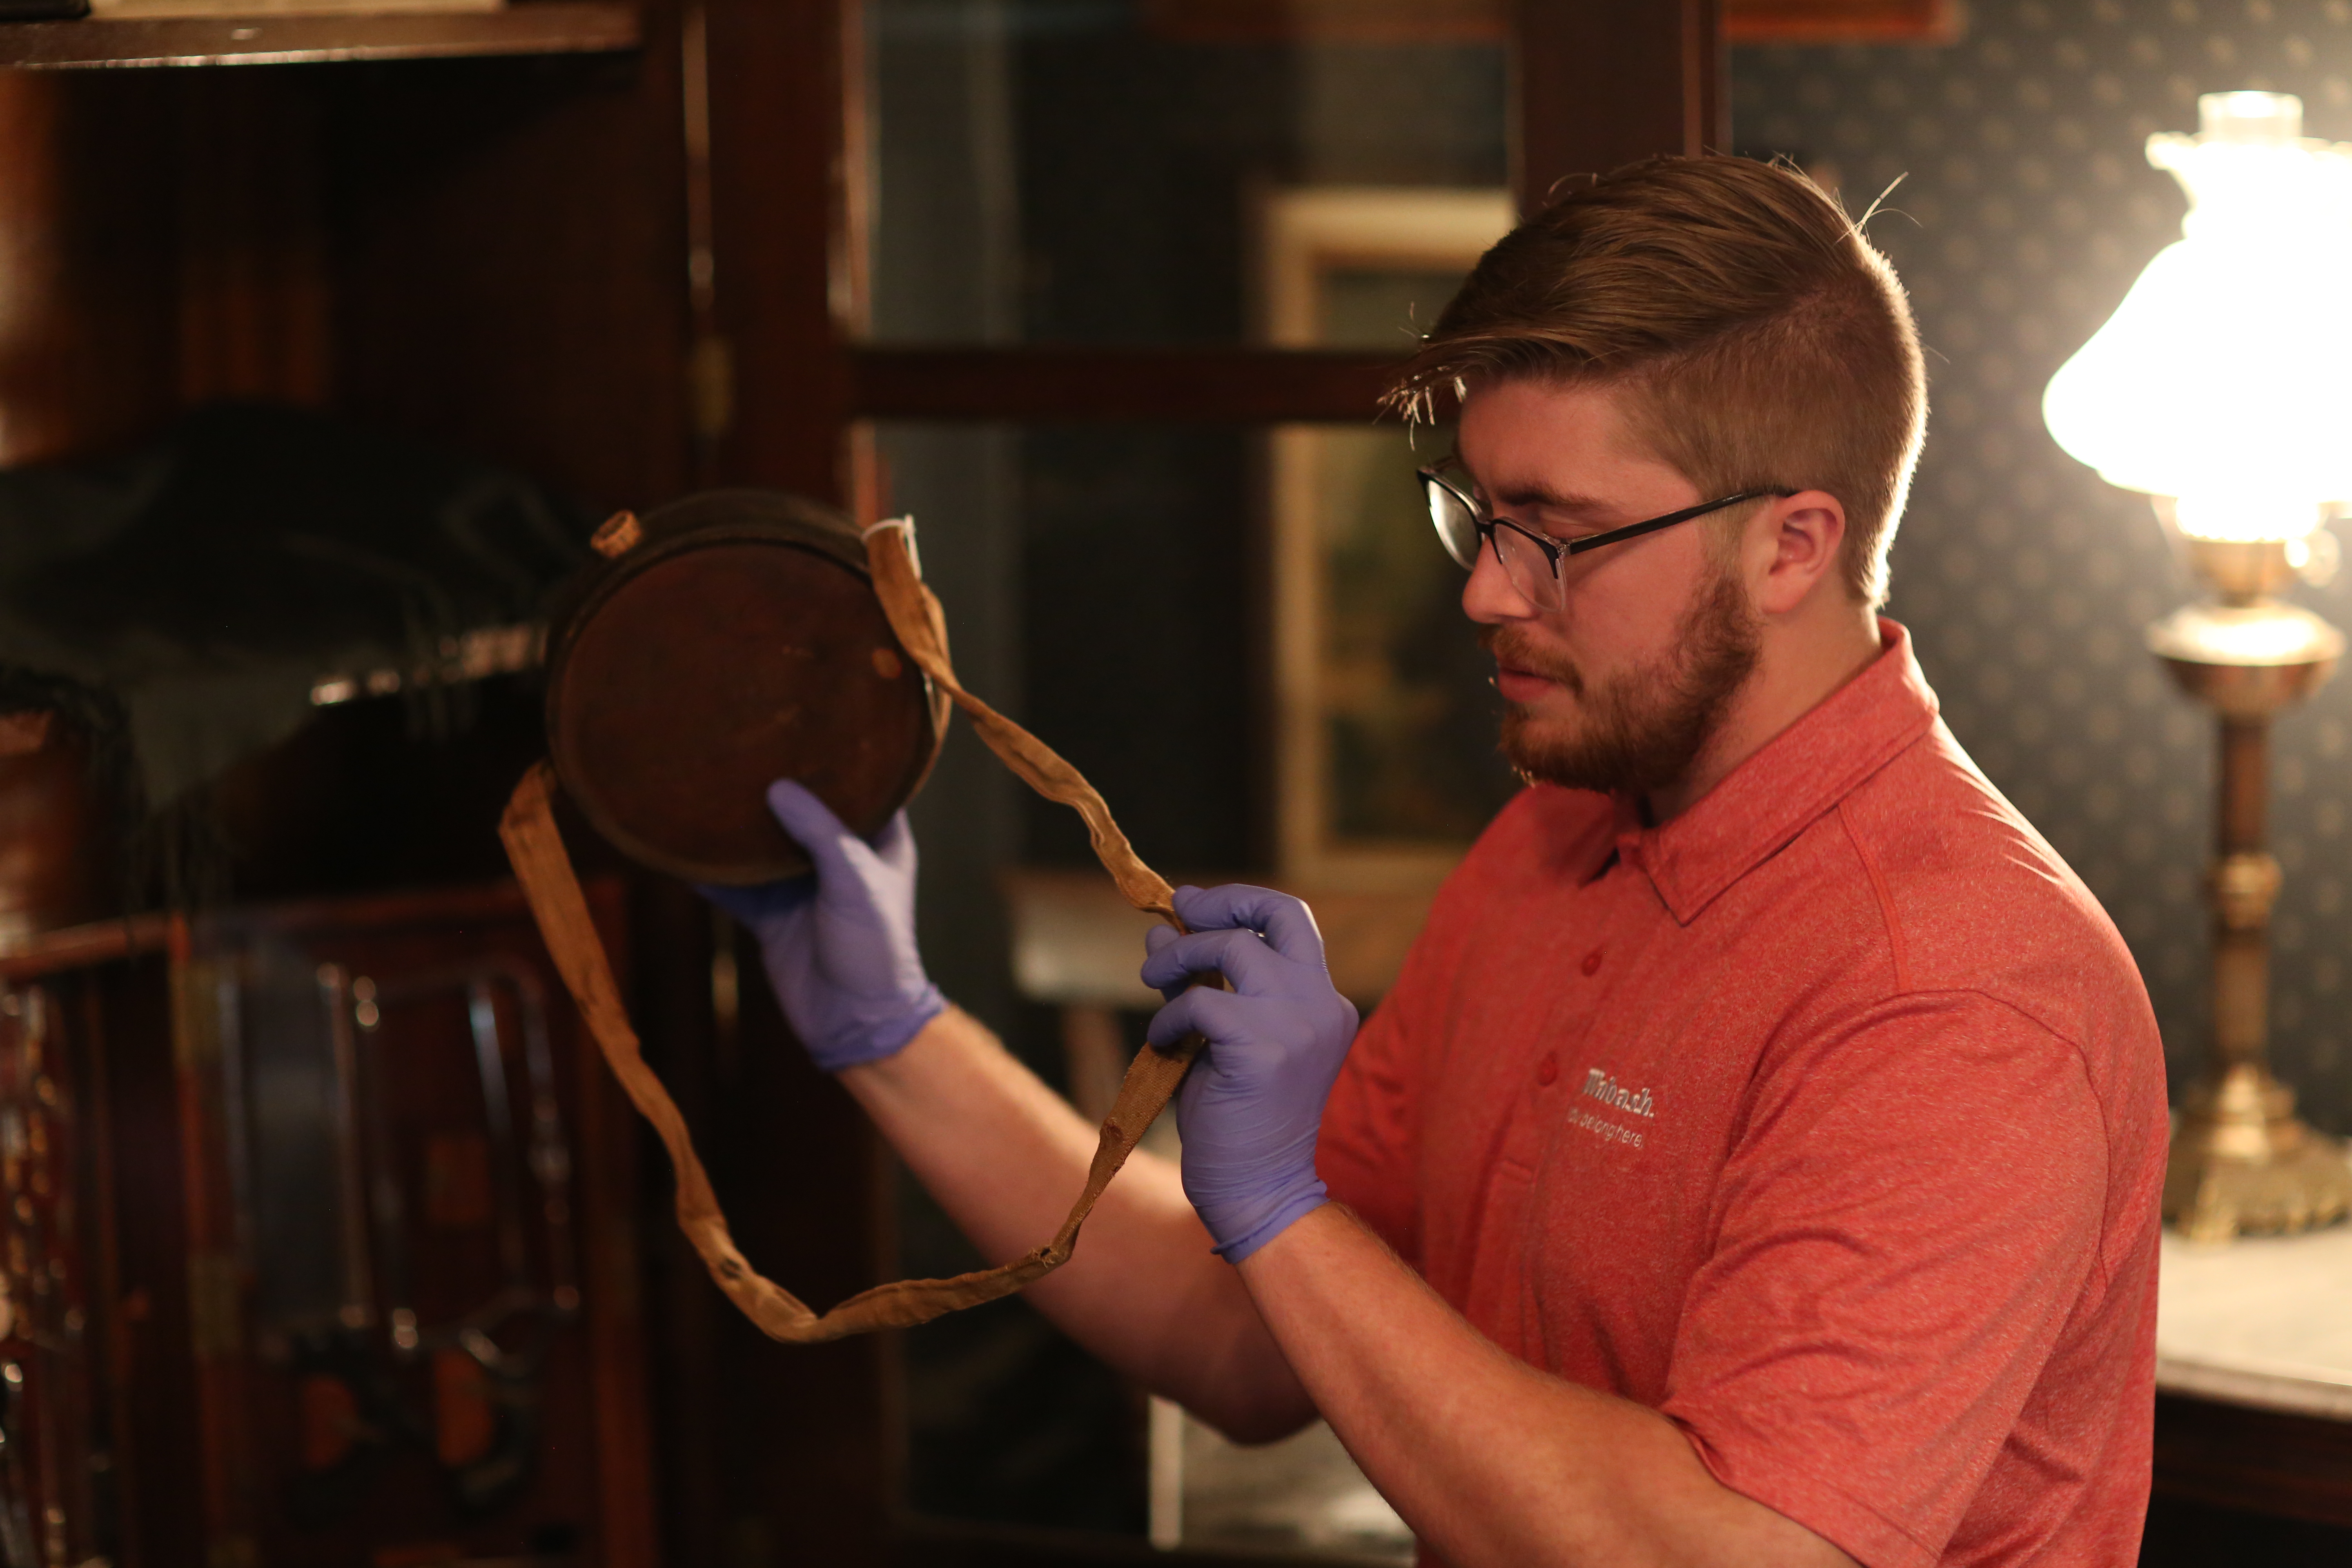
point(914, 616)
point(541, 865)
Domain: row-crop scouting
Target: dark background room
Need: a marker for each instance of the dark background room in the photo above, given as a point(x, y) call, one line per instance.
point(332, 333)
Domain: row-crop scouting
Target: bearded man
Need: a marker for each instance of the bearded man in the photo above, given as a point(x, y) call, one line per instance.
point(1758, 1159)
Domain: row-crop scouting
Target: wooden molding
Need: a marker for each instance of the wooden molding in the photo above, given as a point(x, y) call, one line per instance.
point(1841, 21)
point(80, 947)
point(1328, 21)
point(1235, 385)
point(556, 26)
point(1489, 21)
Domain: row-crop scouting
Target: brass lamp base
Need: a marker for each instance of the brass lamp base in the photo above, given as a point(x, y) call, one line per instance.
point(2242, 1165)
point(2241, 1162)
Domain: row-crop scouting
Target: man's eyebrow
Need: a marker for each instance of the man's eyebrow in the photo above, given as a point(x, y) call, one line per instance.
point(1536, 493)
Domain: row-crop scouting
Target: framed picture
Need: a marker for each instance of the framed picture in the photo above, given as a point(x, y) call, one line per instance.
point(1385, 766)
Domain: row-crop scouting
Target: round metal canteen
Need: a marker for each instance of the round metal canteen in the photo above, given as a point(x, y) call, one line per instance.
point(731, 639)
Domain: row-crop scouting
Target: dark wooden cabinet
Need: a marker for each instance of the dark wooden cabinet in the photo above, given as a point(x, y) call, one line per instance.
point(321, 1245)
point(476, 237)
point(96, 1300)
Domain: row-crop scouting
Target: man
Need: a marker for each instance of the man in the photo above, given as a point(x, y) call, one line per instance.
point(1758, 1159)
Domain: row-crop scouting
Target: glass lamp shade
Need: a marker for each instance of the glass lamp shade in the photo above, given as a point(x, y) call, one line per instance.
point(2224, 379)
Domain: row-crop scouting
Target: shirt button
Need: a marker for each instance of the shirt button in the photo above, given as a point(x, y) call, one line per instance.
point(1591, 965)
point(1548, 1070)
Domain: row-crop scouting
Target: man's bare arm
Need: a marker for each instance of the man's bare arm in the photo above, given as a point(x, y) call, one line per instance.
point(1490, 1460)
point(1005, 1156)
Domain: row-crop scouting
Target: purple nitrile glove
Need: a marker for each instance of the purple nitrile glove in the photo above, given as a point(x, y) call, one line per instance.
point(839, 946)
point(1251, 1105)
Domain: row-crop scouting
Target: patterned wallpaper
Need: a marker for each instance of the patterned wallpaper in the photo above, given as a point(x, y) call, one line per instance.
point(2025, 210)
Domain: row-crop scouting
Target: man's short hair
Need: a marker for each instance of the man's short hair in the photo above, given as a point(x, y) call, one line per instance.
point(1767, 343)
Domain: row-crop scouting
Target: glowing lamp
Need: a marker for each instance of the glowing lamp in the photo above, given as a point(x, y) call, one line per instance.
point(2221, 379)
point(2221, 387)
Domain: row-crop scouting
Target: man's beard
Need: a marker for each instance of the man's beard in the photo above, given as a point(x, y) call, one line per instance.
point(1642, 730)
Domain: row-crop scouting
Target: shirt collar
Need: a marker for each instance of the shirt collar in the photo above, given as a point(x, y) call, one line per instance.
point(1792, 779)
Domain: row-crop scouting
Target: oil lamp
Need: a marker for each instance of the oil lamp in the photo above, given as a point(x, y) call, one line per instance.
point(2222, 388)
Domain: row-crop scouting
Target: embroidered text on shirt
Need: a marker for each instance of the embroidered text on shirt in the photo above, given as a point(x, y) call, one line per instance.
point(1599, 1086)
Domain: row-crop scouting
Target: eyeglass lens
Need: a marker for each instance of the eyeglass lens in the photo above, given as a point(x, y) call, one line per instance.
point(1457, 526)
point(1528, 569)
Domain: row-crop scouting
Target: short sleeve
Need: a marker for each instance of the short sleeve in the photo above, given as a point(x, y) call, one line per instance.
point(1907, 1221)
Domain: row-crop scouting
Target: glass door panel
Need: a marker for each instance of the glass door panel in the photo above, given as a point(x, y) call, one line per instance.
point(1098, 171)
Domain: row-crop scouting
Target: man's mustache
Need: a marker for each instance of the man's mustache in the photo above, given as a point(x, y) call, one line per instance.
point(1514, 647)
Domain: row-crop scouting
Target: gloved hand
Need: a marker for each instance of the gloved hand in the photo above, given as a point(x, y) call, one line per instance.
point(1250, 1108)
point(839, 946)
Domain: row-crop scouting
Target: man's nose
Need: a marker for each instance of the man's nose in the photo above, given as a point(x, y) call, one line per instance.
point(1489, 597)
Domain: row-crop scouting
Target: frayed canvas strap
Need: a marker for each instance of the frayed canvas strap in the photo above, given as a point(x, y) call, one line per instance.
point(541, 865)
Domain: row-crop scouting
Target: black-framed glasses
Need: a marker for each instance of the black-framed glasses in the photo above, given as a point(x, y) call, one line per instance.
point(1530, 558)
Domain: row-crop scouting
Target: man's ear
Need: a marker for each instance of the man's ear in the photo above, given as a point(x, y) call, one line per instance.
point(1795, 545)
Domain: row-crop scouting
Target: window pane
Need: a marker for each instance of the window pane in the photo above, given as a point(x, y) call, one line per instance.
point(1098, 171)
point(1097, 583)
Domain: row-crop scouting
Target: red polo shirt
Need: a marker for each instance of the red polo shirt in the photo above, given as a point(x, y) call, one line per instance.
point(1827, 1119)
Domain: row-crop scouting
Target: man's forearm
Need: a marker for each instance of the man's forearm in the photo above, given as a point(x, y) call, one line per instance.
point(1005, 1156)
point(1491, 1462)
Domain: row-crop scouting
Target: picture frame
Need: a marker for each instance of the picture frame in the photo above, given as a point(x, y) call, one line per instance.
point(1360, 804)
